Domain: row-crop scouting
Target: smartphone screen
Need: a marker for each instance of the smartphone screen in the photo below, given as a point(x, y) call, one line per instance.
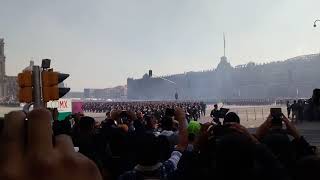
point(276, 114)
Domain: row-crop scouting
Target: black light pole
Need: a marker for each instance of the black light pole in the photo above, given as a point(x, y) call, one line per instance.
point(165, 79)
point(315, 23)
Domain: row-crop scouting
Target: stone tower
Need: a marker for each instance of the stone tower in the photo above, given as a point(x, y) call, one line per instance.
point(3, 90)
point(2, 61)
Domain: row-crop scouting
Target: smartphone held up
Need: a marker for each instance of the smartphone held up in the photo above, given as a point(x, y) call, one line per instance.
point(277, 117)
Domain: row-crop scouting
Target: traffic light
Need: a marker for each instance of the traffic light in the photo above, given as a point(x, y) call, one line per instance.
point(25, 84)
point(50, 89)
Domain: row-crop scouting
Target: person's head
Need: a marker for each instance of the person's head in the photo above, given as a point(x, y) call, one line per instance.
point(231, 117)
point(148, 120)
point(108, 116)
point(124, 127)
point(215, 106)
point(316, 97)
point(151, 122)
point(54, 113)
point(194, 128)
point(307, 168)
point(280, 145)
point(234, 151)
point(139, 115)
point(167, 123)
point(175, 125)
point(77, 117)
point(147, 150)
point(61, 127)
point(86, 124)
point(295, 101)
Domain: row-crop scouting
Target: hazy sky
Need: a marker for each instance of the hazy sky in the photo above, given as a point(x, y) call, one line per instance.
point(102, 42)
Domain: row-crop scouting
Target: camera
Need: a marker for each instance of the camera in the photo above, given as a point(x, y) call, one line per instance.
point(223, 112)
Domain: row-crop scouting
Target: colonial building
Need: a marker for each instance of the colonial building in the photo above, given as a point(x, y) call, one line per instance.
point(8, 84)
point(115, 93)
point(292, 78)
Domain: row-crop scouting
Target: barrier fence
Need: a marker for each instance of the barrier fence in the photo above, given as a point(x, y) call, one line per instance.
point(253, 116)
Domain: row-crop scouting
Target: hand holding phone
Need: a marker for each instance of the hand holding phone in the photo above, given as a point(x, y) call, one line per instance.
point(292, 130)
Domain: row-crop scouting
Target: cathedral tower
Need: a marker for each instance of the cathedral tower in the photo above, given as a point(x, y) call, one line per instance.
point(2, 61)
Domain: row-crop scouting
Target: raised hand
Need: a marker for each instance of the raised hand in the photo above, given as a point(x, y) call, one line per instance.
point(264, 128)
point(180, 116)
point(242, 130)
point(291, 128)
point(29, 153)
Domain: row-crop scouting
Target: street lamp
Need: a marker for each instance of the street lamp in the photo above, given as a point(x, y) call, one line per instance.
point(150, 76)
point(165, 79)
point(315, 23)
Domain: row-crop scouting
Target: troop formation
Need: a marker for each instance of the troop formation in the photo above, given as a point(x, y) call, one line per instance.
point(193, 109)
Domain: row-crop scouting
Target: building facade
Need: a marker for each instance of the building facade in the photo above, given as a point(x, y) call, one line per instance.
point(115, 93)
point(292, 78)
point(8, 84)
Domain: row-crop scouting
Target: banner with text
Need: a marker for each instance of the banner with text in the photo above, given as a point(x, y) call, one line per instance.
point(64, 107)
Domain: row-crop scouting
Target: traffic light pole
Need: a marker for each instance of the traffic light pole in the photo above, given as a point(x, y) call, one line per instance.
point(40, 86)
point(36, 81)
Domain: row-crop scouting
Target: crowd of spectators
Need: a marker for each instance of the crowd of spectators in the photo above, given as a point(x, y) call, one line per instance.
point(135, 143)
